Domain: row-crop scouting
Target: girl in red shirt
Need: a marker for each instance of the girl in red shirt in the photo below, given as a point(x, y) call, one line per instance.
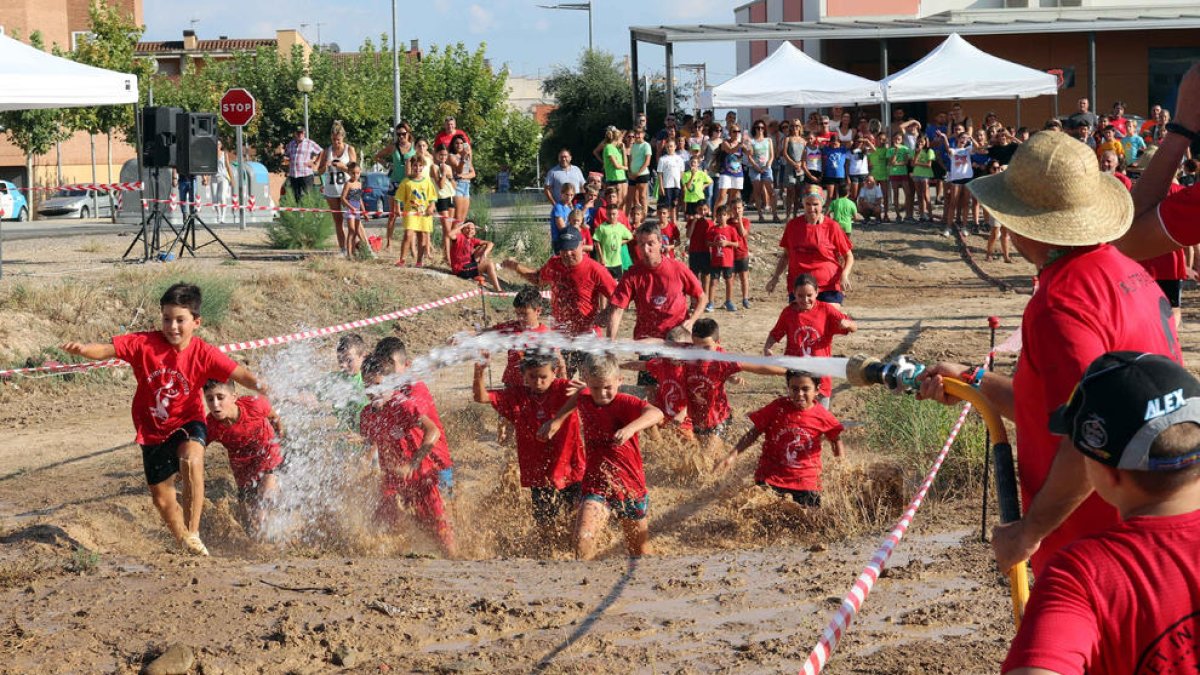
point(741, 256)
point(808, 326)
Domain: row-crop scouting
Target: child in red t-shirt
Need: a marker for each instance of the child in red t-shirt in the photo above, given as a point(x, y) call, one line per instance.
point(552, 469)
point(669, 231)
point(403, 428)
point(808, 325)
point(576, 220)
point(792, 427)
point(697, 234)
point(741, 256)
point(250, 431)
point(469, 255)
point(527, 305)
point(614, 480)
point(670, 393)
point(722, 245)
point(171, 366)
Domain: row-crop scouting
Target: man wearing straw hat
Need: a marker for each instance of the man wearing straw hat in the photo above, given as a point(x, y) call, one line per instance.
point(1062, 212)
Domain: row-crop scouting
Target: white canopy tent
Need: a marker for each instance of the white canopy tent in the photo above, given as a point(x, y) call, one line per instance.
point(959, 70)
point(789, 77)
point(31, 79)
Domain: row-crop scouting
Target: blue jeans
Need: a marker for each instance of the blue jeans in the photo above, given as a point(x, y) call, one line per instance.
point(187, 192)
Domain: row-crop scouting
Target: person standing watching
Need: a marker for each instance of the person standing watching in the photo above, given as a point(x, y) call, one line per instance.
point(561, 174)
point(449, 132)
point(300, 157)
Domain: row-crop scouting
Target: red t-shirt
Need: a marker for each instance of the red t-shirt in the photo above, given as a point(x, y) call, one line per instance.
point(557, 463)
point(661, 294)
point(670, 396)
point(708, 406)
point(249, 440)
point(1089, 302)
point(670, 234)
point(612, 470)
point(1168, 266)
point(462, 251)
point(1179, 214)
point(512, 370)
point(394, 428)
point(1124, 601)
point(698, 239)
point(815, 249)
point(720, 255)
point(1125, 180)
point(743, 249)
point(170, 383)
point(791, 453)
point(810, 333)
point(575, 292)
point(445, 138)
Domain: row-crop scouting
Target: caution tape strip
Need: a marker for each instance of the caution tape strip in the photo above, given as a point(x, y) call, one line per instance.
point(97, 187)
point(173, 204)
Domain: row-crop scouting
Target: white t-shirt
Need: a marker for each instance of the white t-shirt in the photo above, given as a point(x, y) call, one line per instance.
point(670, 170)
point(871, 195)
point(334, 177)
point(960, 164)
point(858, 163)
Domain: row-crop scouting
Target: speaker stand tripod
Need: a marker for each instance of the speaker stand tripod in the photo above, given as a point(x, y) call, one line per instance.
point(186, 236)
point(151, 227)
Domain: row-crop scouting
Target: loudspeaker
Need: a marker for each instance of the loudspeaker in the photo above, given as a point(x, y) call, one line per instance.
point(197, 148)
point(158, 136)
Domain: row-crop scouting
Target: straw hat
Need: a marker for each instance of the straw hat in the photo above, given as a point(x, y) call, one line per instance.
point(1053, 192)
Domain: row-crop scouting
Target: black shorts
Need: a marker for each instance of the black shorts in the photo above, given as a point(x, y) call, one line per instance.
point(470, 271)
point(699, 262)
point(668, 197)
point(962, 181)
point(742, 265)
point(690, 208)
point(644, 378)
point(836, 297)
point(816, 178)
point(833, 181)
point(1173, 289)
point(939, 171)
point(640, 180)
point(720, 272)
point(549, 502)
point(859, 179)
point(615, 272)
point(801, 497)
point(161, 461)
point(574, 360)
point(444, 204)
point(614, 183)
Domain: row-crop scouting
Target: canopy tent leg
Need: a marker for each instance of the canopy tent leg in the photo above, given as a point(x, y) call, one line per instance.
point(1092, 70)
point(633, 76)
point(1018, 112)
point(887, 107)
point(670, 78)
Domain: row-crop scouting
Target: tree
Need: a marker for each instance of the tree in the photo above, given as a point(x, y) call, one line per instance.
point(111, 45)
point(508, 138)
point(592, 96)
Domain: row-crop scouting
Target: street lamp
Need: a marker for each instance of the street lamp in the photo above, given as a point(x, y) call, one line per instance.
point(579, 7)
point(305, 85)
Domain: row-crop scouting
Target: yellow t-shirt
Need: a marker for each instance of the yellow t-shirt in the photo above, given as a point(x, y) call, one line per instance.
point(415, 197)
point(1113, 145)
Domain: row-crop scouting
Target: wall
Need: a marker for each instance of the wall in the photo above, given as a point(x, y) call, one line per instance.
point(845, 8)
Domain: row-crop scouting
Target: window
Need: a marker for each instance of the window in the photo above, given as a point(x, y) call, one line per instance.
point(1, 30)
point(77, 36)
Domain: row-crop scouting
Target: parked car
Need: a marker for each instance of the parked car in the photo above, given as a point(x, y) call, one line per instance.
point(376, 187)
point(77, 204)
point(12, 202)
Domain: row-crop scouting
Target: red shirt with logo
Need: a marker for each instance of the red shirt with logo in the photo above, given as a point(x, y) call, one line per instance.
point(708, 405)
point(720, 255)
point(743, 250)
point(394, 428)
point(512, 370)
point(815, 249)
point(791, 452)
point(462, 251)
point(575, 292)
point(1092, 301)
point(560, 461)
point(1179, 214)
point(1124, 601)
point(661, 294)
point(698, 239)
point(170, 382)
point(614, 471)
point(810, 333)
point(670, 396)
point(249, 440)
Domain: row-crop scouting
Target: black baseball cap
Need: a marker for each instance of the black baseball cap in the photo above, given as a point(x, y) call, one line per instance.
point(1124, 401)
point(569, 239)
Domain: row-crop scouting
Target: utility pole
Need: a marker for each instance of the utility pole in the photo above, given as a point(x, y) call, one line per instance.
point(701, 74)
point(395, 71)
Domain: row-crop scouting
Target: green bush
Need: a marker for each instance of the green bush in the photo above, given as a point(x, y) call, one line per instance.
point(216, 295)
point(295, 230)
point(526, 236)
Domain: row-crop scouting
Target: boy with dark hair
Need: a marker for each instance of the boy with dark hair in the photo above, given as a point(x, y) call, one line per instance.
point(793, 425)
point(722, 245)
point(741, 255)
point(842, 209)
point(669, 231)
point(403, 428)
point(250, 431)
point(171, 366)
point(346, 387)
point(697, 234)
point(527, 305)
point(1126, 600)
point(550, 469)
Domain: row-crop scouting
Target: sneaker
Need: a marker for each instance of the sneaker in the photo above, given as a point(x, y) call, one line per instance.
point(746, 304)
point(708, 307)
point(193, 545)
point(729, 306)
point(947, 233)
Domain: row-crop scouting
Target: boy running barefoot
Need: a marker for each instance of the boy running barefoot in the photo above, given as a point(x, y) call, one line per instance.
point(793, 425)
point(402, 426)
point(171, 366)
point(551, 469)
point(670, 396)
point(808, 326)
point(250, 431)
point(614, 480)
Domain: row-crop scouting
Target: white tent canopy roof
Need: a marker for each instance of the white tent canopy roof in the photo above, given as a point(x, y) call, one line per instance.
point(959, 70)
point(789, 77)
point(31, 79)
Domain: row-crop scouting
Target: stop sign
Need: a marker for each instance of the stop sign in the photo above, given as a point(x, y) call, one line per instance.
point(237, 107)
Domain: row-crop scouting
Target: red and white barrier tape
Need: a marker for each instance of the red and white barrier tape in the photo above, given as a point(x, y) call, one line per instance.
point(264, 342)
point(250, 206)
point(99, 187)
point(866, 580)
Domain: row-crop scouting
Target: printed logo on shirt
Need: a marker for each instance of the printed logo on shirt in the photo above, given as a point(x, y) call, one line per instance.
point(171, 385)
point(673, 397)
point(659, 301)
point(807, 338)
point(701, 389)
point(795, 442)
point(1175, 650)
point(1094, 434)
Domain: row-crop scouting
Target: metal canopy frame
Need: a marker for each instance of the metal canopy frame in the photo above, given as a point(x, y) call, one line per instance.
point(970, 22)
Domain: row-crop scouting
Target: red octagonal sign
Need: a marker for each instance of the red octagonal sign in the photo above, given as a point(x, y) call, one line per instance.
point(237, 107)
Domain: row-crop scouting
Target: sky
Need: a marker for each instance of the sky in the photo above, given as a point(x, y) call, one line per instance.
point(530, 40)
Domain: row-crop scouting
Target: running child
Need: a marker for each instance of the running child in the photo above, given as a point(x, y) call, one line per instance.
point(670, 394)
point(416, 198)
point(250, 431)
point(741, 255)
point(669, 231)
point(614, 480)
point(345, 388)
point(352, 203)
point(808, 325)
point(171, 366)
point(697, 234)
point(792, 427)
point(610, 238)
point(403, 429)
point(527, 308)
point(469, 255)
point(722, 245)
point(552, 469)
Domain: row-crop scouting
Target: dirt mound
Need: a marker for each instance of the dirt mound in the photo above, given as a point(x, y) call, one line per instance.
point(23, 336)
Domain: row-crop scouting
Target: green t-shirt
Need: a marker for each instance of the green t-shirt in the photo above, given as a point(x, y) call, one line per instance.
point(638, 153)
point(843, 211)
point(923, 164)
point(897, 160)
point(610, 237)
point(613, 154)
point(348, 396)
point(877, 160)
point(694, 184)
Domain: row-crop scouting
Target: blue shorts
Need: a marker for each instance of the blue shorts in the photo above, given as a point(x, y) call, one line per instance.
point(626, 509)
point(761, 175)
point(446, 482)
point(836, 297)
point(462, 188)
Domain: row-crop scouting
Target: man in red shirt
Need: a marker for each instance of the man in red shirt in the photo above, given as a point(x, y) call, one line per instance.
point(1126, 600)
point(250, 430)
point(449, 131)
point(815, 244)
point(659, 287)
point(1091, 299)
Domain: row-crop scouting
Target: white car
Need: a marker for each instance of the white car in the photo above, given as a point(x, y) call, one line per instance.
point(12, 203)
point(76, 204)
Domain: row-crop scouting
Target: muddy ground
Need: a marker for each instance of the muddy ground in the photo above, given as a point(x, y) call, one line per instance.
point(739, 581)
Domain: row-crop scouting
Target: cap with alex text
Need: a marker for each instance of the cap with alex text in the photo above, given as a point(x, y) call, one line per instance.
point(569, 239)
point(1124, 401)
